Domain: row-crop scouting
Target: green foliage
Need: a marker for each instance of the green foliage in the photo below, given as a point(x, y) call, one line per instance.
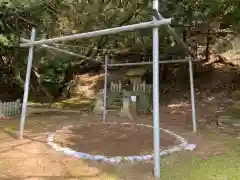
point(53, 72)
point(4, 40)
point(63, 17)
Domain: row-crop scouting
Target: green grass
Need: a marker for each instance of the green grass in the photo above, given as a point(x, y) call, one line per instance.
point(190, 167)
point(72, 103)
point(179, 166)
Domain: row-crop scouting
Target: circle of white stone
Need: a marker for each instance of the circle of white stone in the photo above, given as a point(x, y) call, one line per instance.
point(116, 159)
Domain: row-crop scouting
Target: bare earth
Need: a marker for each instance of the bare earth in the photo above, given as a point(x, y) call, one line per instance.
point(112, 139)
point(33, 159)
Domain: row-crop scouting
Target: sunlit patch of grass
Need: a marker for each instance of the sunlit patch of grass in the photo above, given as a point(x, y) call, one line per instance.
point(78, 102)
point(221, 167)
point(11, 128)
point(11, 125)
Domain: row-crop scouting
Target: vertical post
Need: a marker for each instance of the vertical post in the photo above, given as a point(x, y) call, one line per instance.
point(1, 109)
point(27, 82)
point(18, 105)
point(105, 89)
point(9, 108)
point(192, 95)
point(4, 109)
point(156, 97)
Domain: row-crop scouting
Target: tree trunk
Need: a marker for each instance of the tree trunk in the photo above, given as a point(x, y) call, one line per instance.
point(38, 77)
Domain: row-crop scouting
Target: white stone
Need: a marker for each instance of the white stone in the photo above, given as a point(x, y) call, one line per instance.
point(112, 160)
point(147, 157)
point(68, 151)
point(190, 147)
point(138, 158)
point(50, 143)
point(119, 159)
point(106, 160)
point(98, 157)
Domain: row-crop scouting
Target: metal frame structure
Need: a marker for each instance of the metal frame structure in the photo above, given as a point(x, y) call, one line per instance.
point(116, 30)
point(156, 149)
point(155, 23)
point(147, 63)
point(63, 51)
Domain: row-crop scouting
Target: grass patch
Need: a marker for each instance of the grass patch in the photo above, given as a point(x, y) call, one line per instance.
point(80, 103)
point(190, 167)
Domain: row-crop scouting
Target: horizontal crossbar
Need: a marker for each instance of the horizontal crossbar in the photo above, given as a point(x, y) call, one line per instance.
point(133, 27)
point(145, 63)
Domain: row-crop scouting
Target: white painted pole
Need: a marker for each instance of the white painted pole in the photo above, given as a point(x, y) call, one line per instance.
point(194, 122)
point(105, 89)
point(1, 109)
point(146, 63)
point(115, 30)
point(63, 51)
point(156, 133)
point(27, 82)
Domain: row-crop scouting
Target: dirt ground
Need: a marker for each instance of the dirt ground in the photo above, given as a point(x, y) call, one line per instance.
point(112, 139)
point(33, 159)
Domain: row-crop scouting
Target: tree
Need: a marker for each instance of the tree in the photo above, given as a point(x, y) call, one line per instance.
point(64, 17)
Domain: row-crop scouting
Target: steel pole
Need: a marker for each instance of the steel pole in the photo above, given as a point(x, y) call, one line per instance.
point(27, 82)
point(146, 63)
point(193, 103)
point(105, 89)
point(115, 30)
point(156, 133)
